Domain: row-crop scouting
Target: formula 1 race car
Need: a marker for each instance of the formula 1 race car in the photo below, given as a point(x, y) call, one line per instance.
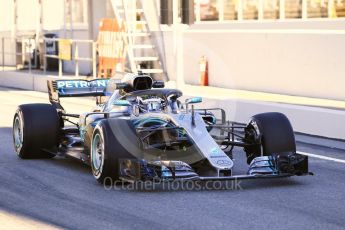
point(141, 131)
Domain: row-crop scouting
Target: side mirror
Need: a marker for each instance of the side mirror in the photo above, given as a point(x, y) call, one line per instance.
point(193, 100)
point(158, 84)
point(122, 103)
point(121, 85)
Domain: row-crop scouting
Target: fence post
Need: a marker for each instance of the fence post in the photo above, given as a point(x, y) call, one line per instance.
point(304, 9)
point(94, 64)
point(36, 55)
point(282, 9)
point(239, 10)
point(76, 57)
point(23, 53)
point(197, 10)
point(260, 10)
point(28, 54)
point(3, 52)
point(60, 67)
point(221, 11)
point(29, 63)
point(330, 9)
point(44, 56)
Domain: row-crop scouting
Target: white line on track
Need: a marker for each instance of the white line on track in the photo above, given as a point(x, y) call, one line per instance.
point(322, 157)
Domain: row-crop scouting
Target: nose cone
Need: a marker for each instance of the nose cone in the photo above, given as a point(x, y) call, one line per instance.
point(219, 159)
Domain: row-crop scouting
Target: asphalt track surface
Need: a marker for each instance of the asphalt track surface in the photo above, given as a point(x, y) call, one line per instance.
point(62, 193)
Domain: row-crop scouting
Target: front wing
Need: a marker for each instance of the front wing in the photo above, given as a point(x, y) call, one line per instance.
point(275, 166)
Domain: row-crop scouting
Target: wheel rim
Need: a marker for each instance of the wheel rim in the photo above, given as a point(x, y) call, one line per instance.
point(97, 154)
point(18, 133)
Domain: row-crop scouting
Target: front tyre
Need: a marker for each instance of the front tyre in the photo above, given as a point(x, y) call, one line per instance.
point(112, 140)
point(273, 134)
point(97, 156)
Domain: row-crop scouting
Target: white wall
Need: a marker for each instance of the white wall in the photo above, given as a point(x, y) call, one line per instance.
point(304, 58)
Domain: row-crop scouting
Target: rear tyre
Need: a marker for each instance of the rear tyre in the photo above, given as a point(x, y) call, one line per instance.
point(112, 140)
point(35, 131)
point(273, 133)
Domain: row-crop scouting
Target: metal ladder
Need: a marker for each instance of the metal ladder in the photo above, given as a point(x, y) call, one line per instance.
point(142, 53)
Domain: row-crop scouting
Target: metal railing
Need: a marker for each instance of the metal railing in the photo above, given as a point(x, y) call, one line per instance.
point(27, 44)
point(75, 56)
point(27, 54)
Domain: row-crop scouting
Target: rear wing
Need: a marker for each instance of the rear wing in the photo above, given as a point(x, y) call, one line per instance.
point(76, 88)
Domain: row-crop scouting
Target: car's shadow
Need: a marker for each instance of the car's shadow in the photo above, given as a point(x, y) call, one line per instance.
point(78, 168)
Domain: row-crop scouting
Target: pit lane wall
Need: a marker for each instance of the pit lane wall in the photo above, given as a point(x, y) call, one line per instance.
point(302, 58)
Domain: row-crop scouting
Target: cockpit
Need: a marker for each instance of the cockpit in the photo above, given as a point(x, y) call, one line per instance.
point(143, 94)
point(153, 104)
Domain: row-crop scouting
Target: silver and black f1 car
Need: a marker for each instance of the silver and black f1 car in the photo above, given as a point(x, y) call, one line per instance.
point(143, 131)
